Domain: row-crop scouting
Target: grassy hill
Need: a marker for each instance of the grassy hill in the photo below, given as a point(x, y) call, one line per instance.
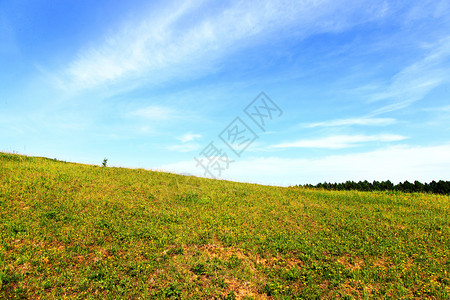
point(79, 231)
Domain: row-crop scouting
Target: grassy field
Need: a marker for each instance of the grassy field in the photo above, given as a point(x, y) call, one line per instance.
point(78, 231)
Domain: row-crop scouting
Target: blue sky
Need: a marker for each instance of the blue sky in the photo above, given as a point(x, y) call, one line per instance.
point(362, 86)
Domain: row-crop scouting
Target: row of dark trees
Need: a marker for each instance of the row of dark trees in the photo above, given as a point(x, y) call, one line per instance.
point(440, 187)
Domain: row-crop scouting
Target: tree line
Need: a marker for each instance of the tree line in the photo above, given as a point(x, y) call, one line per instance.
point(440, 187)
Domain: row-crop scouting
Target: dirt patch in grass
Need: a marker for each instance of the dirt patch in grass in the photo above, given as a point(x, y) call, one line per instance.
point(351, 288)
point(215, 250)
point(381, 263)
point(242, 290)
point(351, 263)
point(24, 268)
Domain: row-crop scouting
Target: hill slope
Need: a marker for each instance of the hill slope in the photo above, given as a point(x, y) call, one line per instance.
point(85, 231)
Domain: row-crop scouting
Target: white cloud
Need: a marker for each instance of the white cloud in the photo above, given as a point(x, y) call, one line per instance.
point(397, 163)
point(176, 41)
point(189, 137)
point(354, 121)
point(188, 144)
point(340, 141)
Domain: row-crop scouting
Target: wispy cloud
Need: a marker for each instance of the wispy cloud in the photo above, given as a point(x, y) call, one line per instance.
point(415, 81)
point(187, 143)
point(340, 141)
point(170, 44)
point(189, 137)
point(444, 109)
point(354, 121)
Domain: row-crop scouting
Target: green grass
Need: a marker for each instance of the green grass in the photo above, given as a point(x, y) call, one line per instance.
point(78, 231)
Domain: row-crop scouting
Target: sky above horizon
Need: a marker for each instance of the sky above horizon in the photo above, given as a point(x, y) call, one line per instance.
point(352, 90)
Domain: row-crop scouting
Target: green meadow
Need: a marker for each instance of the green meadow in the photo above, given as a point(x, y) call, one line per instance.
point(80, 231)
